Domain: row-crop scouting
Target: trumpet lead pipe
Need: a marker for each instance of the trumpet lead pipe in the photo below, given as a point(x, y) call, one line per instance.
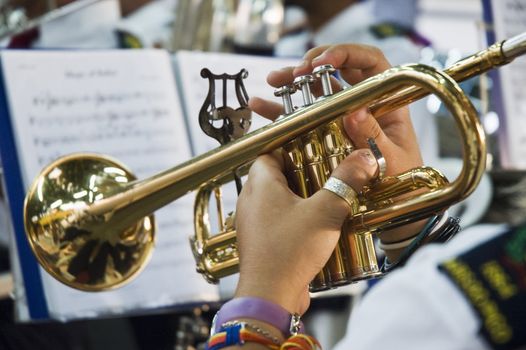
point(514, 46)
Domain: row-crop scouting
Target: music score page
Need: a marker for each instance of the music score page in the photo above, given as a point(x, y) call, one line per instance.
point(124, 104)
point(509, 19)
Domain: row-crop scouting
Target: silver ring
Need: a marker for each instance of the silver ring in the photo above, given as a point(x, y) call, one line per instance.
point(342, 190)
point(382, 164)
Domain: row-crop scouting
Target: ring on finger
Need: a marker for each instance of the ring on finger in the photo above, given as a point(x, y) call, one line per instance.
point(382, 163)
point(342, 190)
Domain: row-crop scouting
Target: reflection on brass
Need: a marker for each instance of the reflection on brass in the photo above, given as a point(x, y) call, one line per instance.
point(74, 242)
point(89, 221)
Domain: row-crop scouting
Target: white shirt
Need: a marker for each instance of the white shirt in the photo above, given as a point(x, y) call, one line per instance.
point(352, 25)
point(418, 307)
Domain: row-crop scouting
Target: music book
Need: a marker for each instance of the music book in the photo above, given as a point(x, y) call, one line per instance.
point(505, 19)
point(138, 106)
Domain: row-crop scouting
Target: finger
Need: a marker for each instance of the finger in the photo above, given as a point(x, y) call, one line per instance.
point(265, 172)
point(392, 134)
point(281, 77)
point(267, 109)
point(268, 168)
point(305, 66)
point(356, 170)
point(361, 125)
point(355, 62)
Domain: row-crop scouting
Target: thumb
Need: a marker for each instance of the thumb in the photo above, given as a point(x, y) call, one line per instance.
point(265, 108)
point(356, 170)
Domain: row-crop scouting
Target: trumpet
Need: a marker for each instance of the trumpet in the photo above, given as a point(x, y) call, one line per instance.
point(103, 240)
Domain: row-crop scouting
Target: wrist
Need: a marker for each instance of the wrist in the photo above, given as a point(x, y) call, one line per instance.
point(402, 233)
point(272, 292)
point(438, 229)
point(261, 311)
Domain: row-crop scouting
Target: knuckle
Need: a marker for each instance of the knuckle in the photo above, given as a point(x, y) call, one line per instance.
point(262, 169)
point(377, 52)
point(254, 170)
point(360, 177)
point(358, 168)
point(379, 55)
point(316, 51)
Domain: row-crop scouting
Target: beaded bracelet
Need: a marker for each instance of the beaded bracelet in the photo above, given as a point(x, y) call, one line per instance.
point(300, 342)
point(253, 328)
point(238, 333)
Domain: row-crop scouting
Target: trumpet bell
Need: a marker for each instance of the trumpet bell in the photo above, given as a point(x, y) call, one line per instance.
point(69, 244)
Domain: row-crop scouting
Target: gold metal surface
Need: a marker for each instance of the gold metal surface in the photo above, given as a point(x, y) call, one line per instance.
point(75, 247)
point(87, 241)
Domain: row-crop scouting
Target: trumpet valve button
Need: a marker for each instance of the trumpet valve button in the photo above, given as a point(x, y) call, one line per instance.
point(284, 92)
point(324, 68)
point(324, 73)
point(303, 83)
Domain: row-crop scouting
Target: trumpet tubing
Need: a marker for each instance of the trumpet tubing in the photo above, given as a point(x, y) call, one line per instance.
point(101, 242)
point(314, 154)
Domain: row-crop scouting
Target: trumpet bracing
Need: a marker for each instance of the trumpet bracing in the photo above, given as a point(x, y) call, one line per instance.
point(99, 241)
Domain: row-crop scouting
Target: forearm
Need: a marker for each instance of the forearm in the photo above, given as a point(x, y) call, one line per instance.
point(398, 235)
point(400, 244)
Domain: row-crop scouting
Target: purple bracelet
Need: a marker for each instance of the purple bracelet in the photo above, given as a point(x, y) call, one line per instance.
point(257, 309)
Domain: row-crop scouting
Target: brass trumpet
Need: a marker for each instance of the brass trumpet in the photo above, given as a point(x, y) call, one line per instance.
point(99, 243)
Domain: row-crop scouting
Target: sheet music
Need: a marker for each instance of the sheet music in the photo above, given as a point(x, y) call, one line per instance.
point(509, 20)
point(121, 103)
point(189, 65)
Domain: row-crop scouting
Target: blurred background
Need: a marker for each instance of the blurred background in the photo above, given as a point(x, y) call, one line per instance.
point(440, 21)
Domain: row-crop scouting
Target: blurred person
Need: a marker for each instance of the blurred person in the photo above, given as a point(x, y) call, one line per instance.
point(386, 24)
point(467, 294)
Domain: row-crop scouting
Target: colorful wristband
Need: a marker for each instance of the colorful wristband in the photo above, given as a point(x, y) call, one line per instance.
point(239, 334)
point(257, 309)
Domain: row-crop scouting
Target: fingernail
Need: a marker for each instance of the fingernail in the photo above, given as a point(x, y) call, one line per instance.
point(367, 156)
